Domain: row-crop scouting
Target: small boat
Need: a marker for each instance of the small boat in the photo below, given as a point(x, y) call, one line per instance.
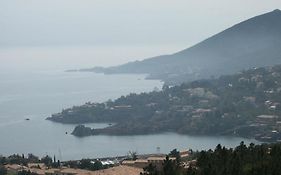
point(27, 119)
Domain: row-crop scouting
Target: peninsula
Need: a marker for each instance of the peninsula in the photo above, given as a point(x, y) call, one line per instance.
point(246, 104)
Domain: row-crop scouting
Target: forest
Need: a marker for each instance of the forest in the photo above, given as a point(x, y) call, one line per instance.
point(243, 160)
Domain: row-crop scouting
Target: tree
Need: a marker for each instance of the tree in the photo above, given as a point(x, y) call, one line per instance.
point(17, 159)
point(3, 170)
point(191, 171)
point(132, 155)
point(97, 165)
point(175, 153)
point(47, 160)
point(24, 172)
point(169, 167)
point(85, 164)
point(32, 158)
point(150, 170)
point(3, 160)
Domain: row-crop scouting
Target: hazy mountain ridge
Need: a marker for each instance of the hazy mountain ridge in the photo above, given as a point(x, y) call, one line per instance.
point(255, 42)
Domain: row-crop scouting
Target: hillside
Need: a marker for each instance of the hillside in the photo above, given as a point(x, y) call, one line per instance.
point(246, 104)
point(253, 43)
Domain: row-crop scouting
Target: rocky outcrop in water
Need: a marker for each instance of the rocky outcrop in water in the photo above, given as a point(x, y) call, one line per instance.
point(82, 131)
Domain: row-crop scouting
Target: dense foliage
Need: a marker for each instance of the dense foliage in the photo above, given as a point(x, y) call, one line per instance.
point(22, 160)
point(243, 160)
point(169, 167)
point(19, 159)
point(24, 172)
point(3, 170)
point(87, 164)
point(246, 104)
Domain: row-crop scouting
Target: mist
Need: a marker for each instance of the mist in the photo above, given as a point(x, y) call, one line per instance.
point(62, 34)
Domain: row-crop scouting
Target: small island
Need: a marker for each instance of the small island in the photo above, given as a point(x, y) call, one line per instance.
point(82, 131)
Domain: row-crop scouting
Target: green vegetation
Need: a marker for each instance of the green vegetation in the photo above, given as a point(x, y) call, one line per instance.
point(246, 104)
point(243, 160)
point(87, 164)
point(22, 160)
point(132, 155)
point(3, 170)
point(24, 172)
point(249, 159)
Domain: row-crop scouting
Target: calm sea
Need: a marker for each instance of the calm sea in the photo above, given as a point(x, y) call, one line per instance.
point(37, 95)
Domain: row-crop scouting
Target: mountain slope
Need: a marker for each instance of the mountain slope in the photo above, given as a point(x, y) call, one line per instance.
point(253, 43)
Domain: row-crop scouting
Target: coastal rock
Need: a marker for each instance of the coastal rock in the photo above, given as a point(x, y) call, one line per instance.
point(82, 131)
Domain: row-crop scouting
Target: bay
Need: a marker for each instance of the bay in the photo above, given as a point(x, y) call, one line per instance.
point(38, 94)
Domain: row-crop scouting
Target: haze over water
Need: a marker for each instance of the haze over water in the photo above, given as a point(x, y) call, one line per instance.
point(41, 39)
point(38, 94)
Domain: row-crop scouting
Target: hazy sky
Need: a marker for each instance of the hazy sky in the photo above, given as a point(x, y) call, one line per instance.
point(144, 27)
